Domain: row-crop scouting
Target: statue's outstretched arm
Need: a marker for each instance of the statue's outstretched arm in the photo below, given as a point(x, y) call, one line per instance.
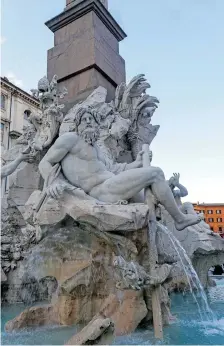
point(181, 192)
point(11, 167)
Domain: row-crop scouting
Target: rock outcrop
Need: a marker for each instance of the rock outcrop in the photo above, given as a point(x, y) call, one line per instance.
point(104, 217)
point(78, 266)
point(16, 237)
point(33, 317)
point(204, 247)
point(99, 331)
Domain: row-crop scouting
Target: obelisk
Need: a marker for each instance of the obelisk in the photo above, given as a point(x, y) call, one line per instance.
point(86, 49)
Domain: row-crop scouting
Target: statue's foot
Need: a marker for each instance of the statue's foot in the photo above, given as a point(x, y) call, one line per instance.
point(188, 220)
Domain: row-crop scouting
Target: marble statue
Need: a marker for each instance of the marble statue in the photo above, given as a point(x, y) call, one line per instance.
point(132, 102)
point(181, 191)
point(83, 165)
point(29, 133)
point(9, 168)
point(47, 124)
point(92, 173)
point(132, 275)
point(188, 208)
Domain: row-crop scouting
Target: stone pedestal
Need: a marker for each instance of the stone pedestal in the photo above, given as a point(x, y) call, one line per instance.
point(86, 50)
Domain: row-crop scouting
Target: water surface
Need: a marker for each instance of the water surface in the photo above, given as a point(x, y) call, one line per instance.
point(188, 329)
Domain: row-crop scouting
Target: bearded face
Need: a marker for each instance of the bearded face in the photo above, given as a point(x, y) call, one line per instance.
point(88, 128)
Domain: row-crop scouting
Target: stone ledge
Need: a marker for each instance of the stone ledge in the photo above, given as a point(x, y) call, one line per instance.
point(105, 217)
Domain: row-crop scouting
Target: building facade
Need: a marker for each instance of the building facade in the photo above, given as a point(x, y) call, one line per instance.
point(15, 104)
point(214, 215)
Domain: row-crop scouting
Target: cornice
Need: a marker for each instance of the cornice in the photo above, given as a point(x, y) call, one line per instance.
point(79, 9)
point(16, 91)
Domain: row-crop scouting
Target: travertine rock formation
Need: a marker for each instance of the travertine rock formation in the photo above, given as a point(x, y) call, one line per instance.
point(204, 247)
point(99, 331)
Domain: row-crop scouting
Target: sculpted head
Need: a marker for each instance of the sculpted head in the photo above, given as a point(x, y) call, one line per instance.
point(188, 208)
point(87, 124)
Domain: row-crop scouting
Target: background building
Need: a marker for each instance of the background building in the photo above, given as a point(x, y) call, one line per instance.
point(15, 103)
point(214, 215)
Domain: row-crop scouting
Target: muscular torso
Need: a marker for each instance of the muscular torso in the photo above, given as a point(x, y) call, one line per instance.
point(83, 166)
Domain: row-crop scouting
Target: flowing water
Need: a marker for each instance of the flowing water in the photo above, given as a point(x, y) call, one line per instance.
point(188, 329)
point(199, 297)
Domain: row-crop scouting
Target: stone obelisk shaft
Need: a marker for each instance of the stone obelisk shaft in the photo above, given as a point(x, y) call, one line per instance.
point(86, 49)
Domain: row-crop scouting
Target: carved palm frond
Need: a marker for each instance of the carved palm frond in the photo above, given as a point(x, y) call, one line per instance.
point(137, 86)
point(119, 95)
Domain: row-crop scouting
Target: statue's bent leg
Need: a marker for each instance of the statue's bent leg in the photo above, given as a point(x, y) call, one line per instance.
point(128, 183)
point(125, 185)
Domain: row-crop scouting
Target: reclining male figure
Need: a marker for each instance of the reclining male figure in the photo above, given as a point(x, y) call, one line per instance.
point(85, 166)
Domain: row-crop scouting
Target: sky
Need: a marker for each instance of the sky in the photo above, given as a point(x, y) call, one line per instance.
point(179, 46)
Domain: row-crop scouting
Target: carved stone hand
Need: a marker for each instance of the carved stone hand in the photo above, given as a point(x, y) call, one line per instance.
point(139, 160)
point(56, 189)
point(175, 179)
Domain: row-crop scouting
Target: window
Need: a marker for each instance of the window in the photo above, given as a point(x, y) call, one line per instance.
point(3, 101)
point(220, 229)
point(210, 219)
point(219, 219)
point(2, 132)
point(26, 113)
point(218, 211)
point(212, 229)
point(210, 211)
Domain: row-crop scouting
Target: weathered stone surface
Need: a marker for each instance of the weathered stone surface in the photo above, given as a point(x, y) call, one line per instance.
point(204, 248)
point(14, 240)
point(126, 310)
point(74, 257)
point(106, 217)
point(203, 243)
point(77, 309)
point(97, 60)
point(178, 281)
point(160, 274)
point(82, 263)
point(35, 316)
point(98, 332)
point(24, 180)
point(202, 264)
point(3, 276)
